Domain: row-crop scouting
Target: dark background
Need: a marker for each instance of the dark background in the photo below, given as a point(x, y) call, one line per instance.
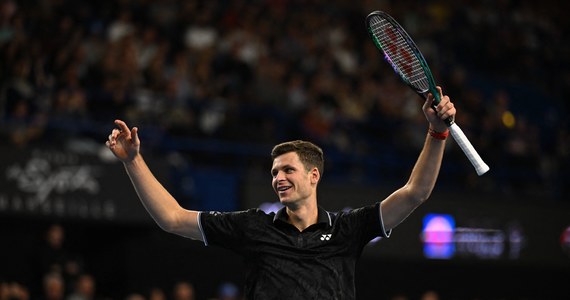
point(214, 85)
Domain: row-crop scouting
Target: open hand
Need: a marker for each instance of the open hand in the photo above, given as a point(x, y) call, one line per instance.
point(124, 142)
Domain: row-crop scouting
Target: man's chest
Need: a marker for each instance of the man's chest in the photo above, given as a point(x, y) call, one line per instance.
point(322, 242)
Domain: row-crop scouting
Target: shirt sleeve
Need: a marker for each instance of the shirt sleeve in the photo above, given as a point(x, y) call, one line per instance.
point(224, 229)
point(366, 223)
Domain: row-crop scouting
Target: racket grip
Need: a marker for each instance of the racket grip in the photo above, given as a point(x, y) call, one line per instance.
point(480, 166)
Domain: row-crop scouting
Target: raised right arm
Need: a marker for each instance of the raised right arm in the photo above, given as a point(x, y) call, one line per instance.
point(163, 208)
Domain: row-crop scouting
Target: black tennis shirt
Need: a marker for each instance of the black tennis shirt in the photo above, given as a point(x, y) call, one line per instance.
point(284, 263)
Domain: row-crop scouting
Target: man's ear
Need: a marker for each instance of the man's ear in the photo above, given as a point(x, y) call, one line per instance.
point(315, 175)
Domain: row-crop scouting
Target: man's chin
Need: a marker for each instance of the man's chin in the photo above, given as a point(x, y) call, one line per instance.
point(285, 200)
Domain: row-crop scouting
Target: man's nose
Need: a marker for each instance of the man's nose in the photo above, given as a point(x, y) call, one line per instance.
point(280, 176)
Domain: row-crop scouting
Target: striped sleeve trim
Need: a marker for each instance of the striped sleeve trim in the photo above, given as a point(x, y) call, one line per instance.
point(385, 234)
point(202, 229)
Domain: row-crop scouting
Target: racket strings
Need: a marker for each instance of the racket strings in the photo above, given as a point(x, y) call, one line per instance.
point(399, 53)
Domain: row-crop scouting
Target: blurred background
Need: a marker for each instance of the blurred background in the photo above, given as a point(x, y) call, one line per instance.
point(213, 85)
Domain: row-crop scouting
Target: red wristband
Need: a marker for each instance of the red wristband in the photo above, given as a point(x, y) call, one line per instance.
point(439, 135)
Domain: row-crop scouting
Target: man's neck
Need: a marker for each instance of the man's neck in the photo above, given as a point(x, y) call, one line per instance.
point(303, 216)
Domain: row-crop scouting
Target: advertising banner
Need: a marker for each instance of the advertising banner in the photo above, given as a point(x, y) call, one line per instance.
point(64, 184)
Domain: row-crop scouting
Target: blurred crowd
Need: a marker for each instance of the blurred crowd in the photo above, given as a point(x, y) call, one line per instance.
point(260, 72)
point(61, 273)
point(54, 287)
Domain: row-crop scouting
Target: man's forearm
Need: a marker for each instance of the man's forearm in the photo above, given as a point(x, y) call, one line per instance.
point(426, 170)
point(155, 198)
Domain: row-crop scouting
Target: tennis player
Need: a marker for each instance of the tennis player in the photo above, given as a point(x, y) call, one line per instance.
point(302, 251)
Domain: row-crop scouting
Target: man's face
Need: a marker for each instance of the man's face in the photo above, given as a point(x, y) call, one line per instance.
point(291, 181)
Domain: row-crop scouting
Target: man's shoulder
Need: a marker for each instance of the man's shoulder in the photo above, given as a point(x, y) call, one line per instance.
point(348, 213)
point(249, 211)
point(259, 213)
point(249, 214)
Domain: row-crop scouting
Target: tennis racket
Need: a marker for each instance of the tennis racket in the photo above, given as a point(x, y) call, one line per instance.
point(406, 59)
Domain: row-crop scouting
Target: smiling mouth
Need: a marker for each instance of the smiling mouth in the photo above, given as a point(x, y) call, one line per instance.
point(283, 188)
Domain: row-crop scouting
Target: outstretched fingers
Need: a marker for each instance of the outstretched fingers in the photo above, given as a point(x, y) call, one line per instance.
point(135, 135)
point(123, 142)
point(122, 127)
point(122, 130)
point(112, 138)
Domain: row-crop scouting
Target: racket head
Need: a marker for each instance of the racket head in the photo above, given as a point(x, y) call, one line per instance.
point(401, 53)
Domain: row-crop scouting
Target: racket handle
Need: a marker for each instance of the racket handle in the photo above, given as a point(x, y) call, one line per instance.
point(480, 166)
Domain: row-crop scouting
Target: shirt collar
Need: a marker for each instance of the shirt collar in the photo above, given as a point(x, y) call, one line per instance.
point(323, 216)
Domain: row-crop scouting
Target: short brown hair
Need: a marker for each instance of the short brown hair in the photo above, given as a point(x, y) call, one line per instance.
point(310, 154)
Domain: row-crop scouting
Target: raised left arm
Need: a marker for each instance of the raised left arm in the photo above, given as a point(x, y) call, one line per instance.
point(400, 204)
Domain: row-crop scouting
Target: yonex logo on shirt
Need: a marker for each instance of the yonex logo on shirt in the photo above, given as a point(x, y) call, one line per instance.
point(326, 237)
